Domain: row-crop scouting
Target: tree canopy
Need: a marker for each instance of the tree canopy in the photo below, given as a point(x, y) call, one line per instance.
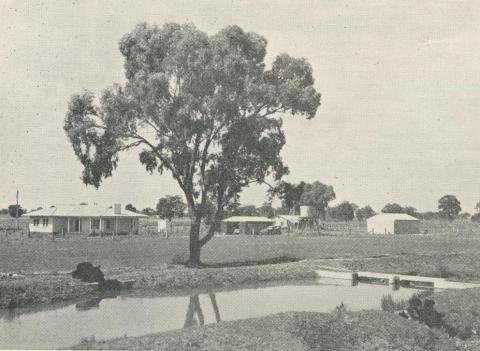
point(169, 207)
point(12, 210)
point(290, 194)
point(392, 208)
point(130, 207)
point(317, 195)
point(364, 213)
point(475, 218)
point(205, 108)
point(449, 207)
point(343, 212)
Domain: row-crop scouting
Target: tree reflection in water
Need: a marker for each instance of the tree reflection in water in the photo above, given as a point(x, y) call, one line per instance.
point(195, 315)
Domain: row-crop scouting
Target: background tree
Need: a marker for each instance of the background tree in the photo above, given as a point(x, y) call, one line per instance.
point(317, 195)
point(464, 215)
point(130, 207)
point(204, 108)
point(266, 210)
point(343, 212)
point(449, 207)
point(290, 194)
point(4, 211)
point(475, 218)
point(364, 213)
point(148, 211)
point(410, 210)
point(12, 210)
point(248, 210)
point(169, 207)
point(392, 208)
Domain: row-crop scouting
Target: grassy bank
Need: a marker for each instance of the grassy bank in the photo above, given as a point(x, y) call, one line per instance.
point(293, 331)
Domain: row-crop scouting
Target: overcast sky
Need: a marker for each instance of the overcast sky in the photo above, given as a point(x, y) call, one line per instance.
point(400, 84)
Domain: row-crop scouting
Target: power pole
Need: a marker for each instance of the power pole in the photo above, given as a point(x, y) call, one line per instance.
point(17, 213)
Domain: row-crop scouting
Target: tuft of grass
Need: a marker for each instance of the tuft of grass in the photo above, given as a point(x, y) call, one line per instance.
point(389, 304)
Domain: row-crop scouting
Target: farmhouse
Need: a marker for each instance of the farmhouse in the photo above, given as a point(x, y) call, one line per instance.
point(245, 224)
point(393, 223)
point(91, 219)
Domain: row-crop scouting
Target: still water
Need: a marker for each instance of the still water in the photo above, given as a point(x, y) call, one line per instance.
point(65, 326)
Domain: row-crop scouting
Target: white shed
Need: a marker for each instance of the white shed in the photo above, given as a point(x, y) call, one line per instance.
point(393, 223)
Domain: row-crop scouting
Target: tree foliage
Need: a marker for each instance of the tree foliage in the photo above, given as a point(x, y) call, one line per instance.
point(475, 218)
point(148, 211)
point(364, 213)
point(169, 207)
point(266, 210)
point(449, 207)
point(317, 195)
point(247, 210)
point(343, 212)
point(290, 194)
point(130, 207)
point(12, 210)
point(205, 108)
point(412, 211)
point(392, 208)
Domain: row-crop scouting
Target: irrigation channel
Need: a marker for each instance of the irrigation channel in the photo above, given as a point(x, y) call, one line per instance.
point(115, 316)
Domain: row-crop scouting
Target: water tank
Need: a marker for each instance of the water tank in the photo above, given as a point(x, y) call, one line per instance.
point(117, 209)
point(308, 211)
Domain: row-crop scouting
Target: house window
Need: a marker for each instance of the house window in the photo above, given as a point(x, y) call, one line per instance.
point(96, 223)
point(108, 224)
point(36, 221)
point(45, 222)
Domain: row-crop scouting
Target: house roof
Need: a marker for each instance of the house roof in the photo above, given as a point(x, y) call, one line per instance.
point(255, 219)
point(393, 217)
point(82, 211)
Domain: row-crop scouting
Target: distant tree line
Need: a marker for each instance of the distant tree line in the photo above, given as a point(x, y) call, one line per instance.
point(318, 195)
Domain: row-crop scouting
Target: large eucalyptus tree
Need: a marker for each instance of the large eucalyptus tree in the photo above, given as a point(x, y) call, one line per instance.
point(205, 108)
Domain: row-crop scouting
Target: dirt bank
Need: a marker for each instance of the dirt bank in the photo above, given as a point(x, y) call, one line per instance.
point(35, 289)
point(41, 289)
point(170, 277)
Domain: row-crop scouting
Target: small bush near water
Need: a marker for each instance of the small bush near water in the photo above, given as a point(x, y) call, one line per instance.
point(457, 312)
point(389, 304)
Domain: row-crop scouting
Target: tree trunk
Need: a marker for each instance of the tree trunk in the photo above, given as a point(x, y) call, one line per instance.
point(195, 246)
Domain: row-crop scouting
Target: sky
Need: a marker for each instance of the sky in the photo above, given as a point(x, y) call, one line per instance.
point(399, 80)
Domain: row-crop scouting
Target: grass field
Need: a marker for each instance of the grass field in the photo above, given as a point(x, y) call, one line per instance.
point(42, 254)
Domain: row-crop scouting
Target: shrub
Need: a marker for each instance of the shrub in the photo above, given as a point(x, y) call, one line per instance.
point(391, 305)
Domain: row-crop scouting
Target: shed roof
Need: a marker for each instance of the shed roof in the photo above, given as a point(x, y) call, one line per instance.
point(82, 211)
point(255, 219)
point(291, 218)
point(393, 217)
